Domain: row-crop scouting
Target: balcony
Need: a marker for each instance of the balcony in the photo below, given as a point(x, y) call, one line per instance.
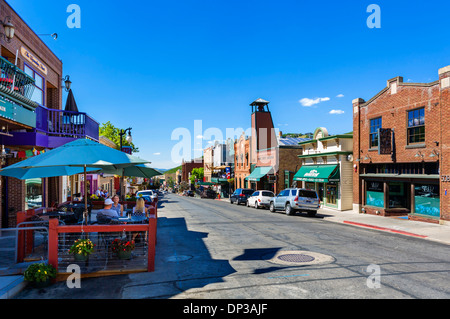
point(44, 127)
point(60, 123)
point(55, 128)
point(16, 88)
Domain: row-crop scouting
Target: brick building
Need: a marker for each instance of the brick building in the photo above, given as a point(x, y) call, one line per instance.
point(273, 159)
point(187, 167)
point(242, 162)
point(400, 147)
point(31, 116)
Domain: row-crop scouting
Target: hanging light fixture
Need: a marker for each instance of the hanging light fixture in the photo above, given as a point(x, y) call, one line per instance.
point(9, 29)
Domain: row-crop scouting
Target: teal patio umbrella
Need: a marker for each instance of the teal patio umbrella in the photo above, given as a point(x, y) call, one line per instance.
point(140, 170)
point(79, 156)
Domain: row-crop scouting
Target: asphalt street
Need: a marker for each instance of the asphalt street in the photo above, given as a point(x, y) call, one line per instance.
point(212, 249)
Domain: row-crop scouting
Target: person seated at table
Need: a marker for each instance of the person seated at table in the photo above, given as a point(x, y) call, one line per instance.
point(107, 211)
point(116, 206)
point(140, 209)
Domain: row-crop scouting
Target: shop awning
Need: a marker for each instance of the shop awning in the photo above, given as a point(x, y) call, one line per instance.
point(218, 180)
point(259, 173)
point(318, 173)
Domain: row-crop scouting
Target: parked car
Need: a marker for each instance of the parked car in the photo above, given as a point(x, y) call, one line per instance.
point(296, 199)
point(240, 195)
point(208, 193)
point(153, 195)
point(260, 199)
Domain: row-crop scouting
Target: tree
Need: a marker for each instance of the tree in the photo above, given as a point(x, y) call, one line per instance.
point(197, 173)
point(111, 132)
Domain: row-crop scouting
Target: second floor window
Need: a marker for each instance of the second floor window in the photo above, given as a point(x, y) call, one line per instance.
point(375, 124)
point(416, 126)
point(38, 94)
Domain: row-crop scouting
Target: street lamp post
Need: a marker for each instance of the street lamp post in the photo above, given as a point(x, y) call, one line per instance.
point(129, 140)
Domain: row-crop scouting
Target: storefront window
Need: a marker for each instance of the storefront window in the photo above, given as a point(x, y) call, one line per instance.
point(33, 198)
point(397, 196)
point(375, 194)
point(426, 199)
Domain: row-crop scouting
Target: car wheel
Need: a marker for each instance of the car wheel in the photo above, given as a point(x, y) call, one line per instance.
point(272, 207)
point(248, 204)
point(231, 201)
point(288, 210)
point(256, 205)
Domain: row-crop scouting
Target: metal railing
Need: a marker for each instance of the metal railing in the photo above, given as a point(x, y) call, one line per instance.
point(14, 79)
point(102, 261)
point(66, 123)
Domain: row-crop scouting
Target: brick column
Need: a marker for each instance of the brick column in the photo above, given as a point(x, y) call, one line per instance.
point(444, 146)
point(357, 183)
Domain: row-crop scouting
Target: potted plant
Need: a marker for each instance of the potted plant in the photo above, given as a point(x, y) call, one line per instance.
point(40, 275)
point(123, 248)
point(81, 249)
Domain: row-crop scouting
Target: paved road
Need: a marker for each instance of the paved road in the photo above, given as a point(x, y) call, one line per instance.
point(212, 249)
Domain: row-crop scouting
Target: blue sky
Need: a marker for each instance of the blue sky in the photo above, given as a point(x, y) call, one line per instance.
point(159, 65)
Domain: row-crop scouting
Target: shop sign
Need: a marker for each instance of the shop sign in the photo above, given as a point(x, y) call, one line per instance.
point(127, 149)
point(384, 141)
point(312, 173)
point(31, 58)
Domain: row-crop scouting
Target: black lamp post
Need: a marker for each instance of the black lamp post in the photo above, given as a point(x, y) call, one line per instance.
point(129, 140)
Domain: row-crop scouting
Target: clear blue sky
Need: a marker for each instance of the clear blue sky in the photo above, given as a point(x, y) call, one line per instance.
point(160, 65)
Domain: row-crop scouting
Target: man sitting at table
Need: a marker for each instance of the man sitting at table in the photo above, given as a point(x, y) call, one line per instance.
point(107, 211)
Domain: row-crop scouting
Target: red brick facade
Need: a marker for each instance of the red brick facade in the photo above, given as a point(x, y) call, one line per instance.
point(187, 167)
point(415, 164)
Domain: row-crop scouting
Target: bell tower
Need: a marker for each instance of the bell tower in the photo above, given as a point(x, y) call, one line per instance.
point(263, 130)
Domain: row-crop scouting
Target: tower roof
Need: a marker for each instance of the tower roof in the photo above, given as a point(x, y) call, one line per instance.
point(259, 102)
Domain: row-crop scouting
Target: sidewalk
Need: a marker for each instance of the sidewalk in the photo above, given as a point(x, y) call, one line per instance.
point(399, 225)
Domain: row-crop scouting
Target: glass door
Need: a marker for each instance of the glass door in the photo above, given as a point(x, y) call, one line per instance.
point(331, 194)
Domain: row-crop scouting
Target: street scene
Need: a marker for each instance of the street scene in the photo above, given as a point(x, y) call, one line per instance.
point(238, 163)
point(212, 249)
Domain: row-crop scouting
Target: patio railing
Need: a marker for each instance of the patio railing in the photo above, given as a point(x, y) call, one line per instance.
point(66, 123)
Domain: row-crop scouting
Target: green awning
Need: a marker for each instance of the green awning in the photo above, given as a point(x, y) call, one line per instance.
point(258, 173)
point(205, 183)
point(218, 180)
point(318, 173)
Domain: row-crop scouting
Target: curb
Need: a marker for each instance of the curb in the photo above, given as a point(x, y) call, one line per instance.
point(384, 229)
point(13, 287)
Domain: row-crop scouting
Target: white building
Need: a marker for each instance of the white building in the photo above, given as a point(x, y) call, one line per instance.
point(327, 164)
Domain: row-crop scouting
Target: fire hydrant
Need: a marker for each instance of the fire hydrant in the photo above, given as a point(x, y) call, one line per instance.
point(218, 196)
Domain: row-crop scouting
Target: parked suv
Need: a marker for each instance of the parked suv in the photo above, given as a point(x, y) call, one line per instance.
point(148, 192)
point(260, 199)
point(240, 195)
point(296, 199)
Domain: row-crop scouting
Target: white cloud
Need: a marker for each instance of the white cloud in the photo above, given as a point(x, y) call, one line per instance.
point(336, 112)
point(199, 136)
point(156, 153)
point(310, 102)
point(340, 95)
